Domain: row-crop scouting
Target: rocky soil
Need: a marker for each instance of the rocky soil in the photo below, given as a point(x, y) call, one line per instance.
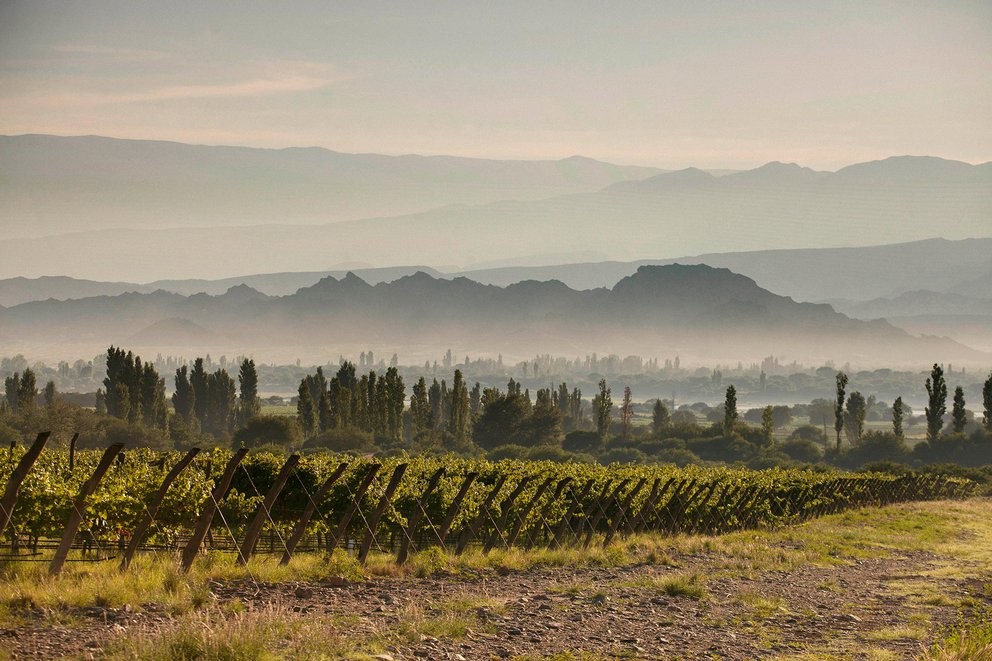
point(849, 610)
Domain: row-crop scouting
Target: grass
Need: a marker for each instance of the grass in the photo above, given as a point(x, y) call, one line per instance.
point(691, 586)
point(957, 534)
point(970, 640)
point(762, 607)
point(265, 634)
point(150, 579)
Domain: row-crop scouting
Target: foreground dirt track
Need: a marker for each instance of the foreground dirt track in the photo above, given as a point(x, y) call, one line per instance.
point(868, 584)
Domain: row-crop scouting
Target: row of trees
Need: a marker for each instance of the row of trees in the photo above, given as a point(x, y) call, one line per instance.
point(209, 403)
point(850, 410)
point(369, 403)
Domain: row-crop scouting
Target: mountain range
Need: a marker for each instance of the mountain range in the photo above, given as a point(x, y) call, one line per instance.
point(845, 277)
point(55, 184)
point(697, 312)
point(219, 212)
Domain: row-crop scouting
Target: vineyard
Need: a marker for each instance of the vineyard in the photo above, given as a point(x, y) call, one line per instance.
point(109, 505)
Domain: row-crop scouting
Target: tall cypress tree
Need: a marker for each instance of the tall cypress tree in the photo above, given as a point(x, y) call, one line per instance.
point(198, 380)
point(249, 405)
point(306, 410)
point(459, 408)
point(729, 410)
point(937, 396)
point(420, 408)
point(897, 414)
point(839, 406)
point(602, 405)
point(959, 416)
point(184, 397)
point(987, 402)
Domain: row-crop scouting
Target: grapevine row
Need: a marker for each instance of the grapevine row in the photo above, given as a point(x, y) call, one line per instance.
point(402, 504)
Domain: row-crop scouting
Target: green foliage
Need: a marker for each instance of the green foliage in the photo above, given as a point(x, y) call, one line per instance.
point(897, 414)
point(959, 416)
point(730, 410)
point(839, 406)
point(987, 403)
point(937, 397)
point(269, 429)
point(602, 406)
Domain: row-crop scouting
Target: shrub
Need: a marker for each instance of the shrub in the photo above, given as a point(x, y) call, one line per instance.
point(281, 430)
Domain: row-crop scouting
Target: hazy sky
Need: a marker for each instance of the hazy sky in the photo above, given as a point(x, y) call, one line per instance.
point(671, 84)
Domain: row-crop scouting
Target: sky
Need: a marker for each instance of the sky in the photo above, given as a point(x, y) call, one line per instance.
point(668, 84)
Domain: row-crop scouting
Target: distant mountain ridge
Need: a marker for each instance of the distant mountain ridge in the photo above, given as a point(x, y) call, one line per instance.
point(631, 217)
point(848, 275)
point(659, 310)
point(57, 184)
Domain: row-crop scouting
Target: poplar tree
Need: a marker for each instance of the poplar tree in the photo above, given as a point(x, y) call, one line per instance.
point(959, 417)
point(730, 410)
point(897, 413)
point(306, 411)
point(937, 394)
point(987, 400)
point(839, 406)
point(626, 412)
point(184, 396)
point(602, 405)
point(459, 408)
point(249, 404)
point(854, 421)
point(420, 408)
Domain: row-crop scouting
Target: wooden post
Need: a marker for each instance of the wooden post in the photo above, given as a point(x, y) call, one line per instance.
point(564, 482)
point(480, 518)
point(628, 499)
point(72, 451)
point(602, 506)
point(146, 521)
point(418, 513)
point(373, 521)
point(455, 506)
point(342, 527)
point(504, 516)
point(565, 521)
point(522, 516)
point(264, 509)
point(301, 526)
point(79, 506)
point(9, 499)
point(209, 509)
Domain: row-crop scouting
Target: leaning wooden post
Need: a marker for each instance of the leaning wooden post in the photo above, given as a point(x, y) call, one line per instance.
point(573, 507)
point(523, 514)
point(9, 499)
point(72, 451)
point(146, 521)
point(209, 509)
point(473, 528)
point(300, 528)
point(504, 517)
point(454, 508)
point(356, 501)
point(373, 521)
point(79, 506)
point(262, 514)
point(622, 513)
point(415, 517)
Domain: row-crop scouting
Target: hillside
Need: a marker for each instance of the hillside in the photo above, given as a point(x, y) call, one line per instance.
point(694, 311)
point(662, 217)
point(53, 184)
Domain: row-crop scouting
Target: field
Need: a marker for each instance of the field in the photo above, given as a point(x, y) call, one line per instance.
point(897, 582)
point(524, 560)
